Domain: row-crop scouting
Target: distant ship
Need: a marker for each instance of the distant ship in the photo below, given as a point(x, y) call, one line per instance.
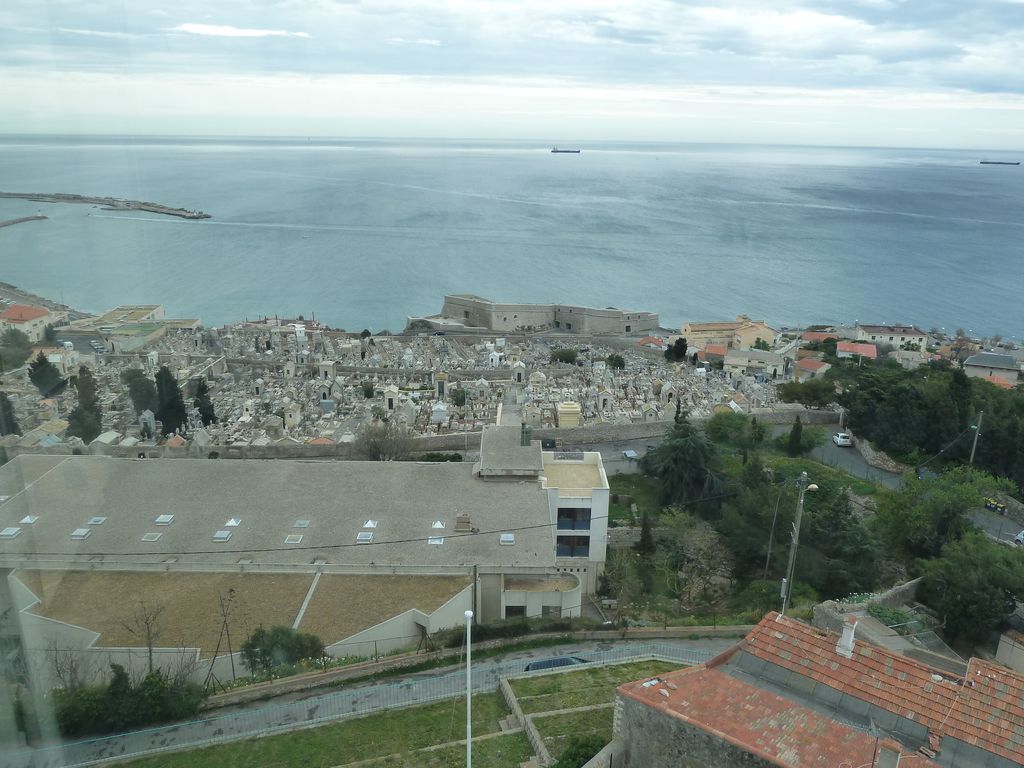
point(1000, 162)
point(557, 151)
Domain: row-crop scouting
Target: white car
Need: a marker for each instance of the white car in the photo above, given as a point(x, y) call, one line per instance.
point(1019, 538)
point(842, 439)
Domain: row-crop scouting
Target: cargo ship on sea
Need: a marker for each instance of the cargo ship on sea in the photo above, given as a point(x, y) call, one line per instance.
point(999, 162)
point(557, 151)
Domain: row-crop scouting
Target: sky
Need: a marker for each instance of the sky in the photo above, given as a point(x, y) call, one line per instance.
point(907, 73)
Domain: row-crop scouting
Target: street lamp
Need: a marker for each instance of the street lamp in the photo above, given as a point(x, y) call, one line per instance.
point(787, 583)
point(469, 693)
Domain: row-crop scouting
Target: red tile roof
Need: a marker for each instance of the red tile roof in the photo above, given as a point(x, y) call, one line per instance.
point(22, 313)
point(999, 382)
point(864, 350)
point(756, 720)
point(818, 336)
point(716, 349)
point(651, 340)
point(986, 709)
point(810, 364)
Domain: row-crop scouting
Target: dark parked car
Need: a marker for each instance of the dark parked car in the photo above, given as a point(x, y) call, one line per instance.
point(555, 662)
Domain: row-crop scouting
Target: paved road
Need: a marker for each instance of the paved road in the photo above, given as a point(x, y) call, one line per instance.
point(309, 708)
point(996, 525)
point(847, 459)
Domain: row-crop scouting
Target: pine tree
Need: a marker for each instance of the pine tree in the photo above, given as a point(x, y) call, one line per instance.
point(204, 404)
point(171, 412)
point(44, 374)
point(794, 447)
point(141, 390)
point(85, 420)
point(8, 422)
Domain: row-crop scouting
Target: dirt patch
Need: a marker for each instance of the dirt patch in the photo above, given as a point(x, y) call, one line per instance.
point(189, 603)
point(344, 605)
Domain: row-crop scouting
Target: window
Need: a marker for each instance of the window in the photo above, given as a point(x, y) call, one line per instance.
point(10, 532)
point(515, 611)
point(573, 519)
point(97, 520)
point(364, 537)
point(80, 534)
point(435, 540)
point(301, 524)
point(572, 546)
point(29, 519)
point(370, 524)
point(165, 519)
point(507, 539)
point(293, 538)
point(151, 536)
point(234, 522)
point(222, 536)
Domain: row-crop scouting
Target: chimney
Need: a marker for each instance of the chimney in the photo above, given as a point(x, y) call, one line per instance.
point(888, 754)
point(845, 645)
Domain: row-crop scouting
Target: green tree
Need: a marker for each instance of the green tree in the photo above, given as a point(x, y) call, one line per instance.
point(8, 421)
point(15, 347)
point(365, 333)
point(204, 404)
point(141, 390)
point(615, 362)
point(458, 397)
point(171, 409)
point(44, 375)
point(814, 393)
point(85, 419)
point(728, 427)
point(685, 466)
point(266, 649)
point(795, 440)
point(761, 344)
point(973, 585)
point(564, 356)
point(50, 334)
point(368, 389)
point(677, 351)
point(579, 750)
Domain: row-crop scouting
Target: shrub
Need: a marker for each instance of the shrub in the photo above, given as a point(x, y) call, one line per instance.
point(279, 646)
point(579, 751)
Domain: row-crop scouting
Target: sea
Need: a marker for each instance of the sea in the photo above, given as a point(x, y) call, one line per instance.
point(364, 233)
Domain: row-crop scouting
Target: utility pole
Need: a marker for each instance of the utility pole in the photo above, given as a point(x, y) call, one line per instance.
point(787, 583)
point(977, 431)
point(469, 693)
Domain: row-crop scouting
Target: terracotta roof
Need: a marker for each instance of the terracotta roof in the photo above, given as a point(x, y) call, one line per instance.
point(810, 364)
point(864, 350)
point(651, 340)
point(986, 709)
point(999, 382)
point(758, 721)
point(174, 441)
point(22, 313)
point(716, 349)
point(818, 336)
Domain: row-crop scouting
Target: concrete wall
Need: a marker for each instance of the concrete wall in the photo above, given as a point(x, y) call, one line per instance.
point(1011, 651)
point(653, 739)
point(829, 614)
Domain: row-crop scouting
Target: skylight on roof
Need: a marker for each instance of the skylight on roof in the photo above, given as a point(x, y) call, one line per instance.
point(151, 536)
point(435, 540)
point(29, 519)
point(10, 532)
point(301, 524)
point(364, 537)
point(437, 524)
point(507, 539)
point(164, 519)
point(97, 520)
point(293, 538)
point(370, 524)
point(222, 535)
point(234, 522)
point(80, 533)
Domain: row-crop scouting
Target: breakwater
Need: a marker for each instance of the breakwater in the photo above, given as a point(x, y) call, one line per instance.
point(108, 203)
point(12, 222)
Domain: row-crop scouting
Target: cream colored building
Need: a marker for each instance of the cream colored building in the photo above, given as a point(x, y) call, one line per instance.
point(738, 334)
point(31, 321)
point(569, 414)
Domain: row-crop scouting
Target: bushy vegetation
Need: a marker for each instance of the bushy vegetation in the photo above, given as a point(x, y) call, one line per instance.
point(278, 646)
point(15, 347)
point(564, 356)
point(123, 705)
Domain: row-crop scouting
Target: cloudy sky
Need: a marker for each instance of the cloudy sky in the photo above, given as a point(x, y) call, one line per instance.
point(939, 73)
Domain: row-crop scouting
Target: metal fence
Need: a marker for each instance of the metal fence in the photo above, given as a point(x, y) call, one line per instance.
point(316, 710)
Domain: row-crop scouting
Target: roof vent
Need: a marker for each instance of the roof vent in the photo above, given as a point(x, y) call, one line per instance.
point(293, 538)
point(370, 524)
point(364, 537)
point(462, 524)
point(845, 645)
point(164, 519)
point(97, 520)
point(29, 519)
point(301, 524)
point(234, 522)
point(10, 532)
point(151, 536)
point(222, 535)
point(437, 524)
point(507, 539)
point(435, 540)
point(80, 534)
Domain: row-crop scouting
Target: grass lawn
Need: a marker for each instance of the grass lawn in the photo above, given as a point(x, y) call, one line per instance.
point(644, 491)
point(556, 730)
point(792, 467)
point(386, 733)
point(499, 752)
point(583, 688)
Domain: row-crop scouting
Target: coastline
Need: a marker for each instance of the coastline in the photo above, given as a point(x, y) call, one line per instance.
point(24, 297)
point(109, 203)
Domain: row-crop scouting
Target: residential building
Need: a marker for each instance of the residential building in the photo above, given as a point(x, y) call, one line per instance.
point(792, 695)
point(818, 336)
point(751, 332)
point(854, 349)
point(809, 368)
point(993, 364)
point(897, 336)
point(740, 362)
point(31, 321)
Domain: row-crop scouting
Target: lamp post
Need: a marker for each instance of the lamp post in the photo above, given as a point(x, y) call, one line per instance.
point(469, 693)
point(977, 431)
point(787, 583)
